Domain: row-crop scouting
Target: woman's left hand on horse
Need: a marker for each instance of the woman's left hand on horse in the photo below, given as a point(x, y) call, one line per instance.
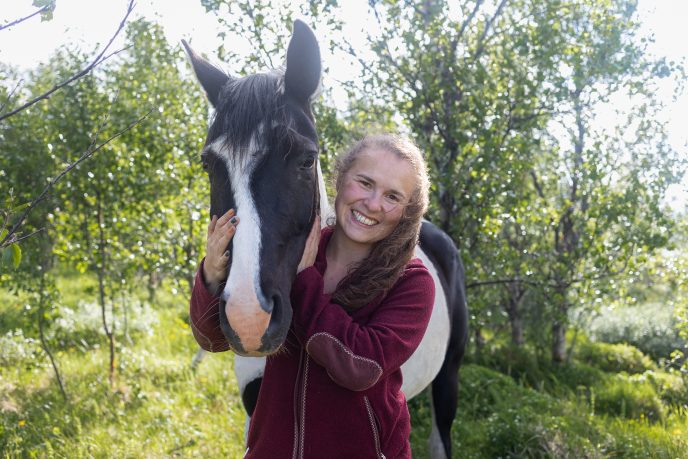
point(311, 249)
point(220, 232)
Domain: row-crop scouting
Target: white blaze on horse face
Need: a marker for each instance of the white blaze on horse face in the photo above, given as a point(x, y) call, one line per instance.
point(242, 291)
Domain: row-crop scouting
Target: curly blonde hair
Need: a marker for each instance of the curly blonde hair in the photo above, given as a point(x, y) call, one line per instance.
point(375, 275)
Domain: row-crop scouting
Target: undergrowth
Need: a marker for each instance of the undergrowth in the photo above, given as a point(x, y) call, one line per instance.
point(609, 401)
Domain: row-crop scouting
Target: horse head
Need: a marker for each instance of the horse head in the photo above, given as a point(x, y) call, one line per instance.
point(261, 155)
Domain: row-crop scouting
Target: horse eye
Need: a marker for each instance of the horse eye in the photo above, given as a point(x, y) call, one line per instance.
point(205, 166)
point(308, 163)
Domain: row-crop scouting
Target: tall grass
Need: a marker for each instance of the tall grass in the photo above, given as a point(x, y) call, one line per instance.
point(609, 402)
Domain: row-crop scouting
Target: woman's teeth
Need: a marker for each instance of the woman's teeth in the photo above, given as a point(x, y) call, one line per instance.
point(363, 219)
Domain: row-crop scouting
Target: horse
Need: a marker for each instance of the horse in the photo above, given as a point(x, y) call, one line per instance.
point(261, 156)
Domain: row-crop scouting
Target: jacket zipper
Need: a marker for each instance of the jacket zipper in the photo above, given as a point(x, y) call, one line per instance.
point(373, 426)
point(300, 405)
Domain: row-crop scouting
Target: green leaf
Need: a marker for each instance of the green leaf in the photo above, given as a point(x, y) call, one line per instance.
point(21, 206)
point(47, 14)
point(16, 255)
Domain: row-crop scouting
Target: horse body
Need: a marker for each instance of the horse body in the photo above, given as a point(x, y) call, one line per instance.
point(261, 156)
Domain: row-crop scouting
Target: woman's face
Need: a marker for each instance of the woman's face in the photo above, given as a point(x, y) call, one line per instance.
point(372, 195)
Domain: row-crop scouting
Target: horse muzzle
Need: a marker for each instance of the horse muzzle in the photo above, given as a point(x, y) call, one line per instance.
point(254, 328)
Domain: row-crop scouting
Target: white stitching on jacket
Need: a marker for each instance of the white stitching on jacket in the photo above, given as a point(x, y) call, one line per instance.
point(369, 409)
point(346, 349)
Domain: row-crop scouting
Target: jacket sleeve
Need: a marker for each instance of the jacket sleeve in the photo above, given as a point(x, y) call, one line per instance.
point(357, 355)
point(204, 315)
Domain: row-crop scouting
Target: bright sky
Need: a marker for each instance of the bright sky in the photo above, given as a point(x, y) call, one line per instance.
point(88, 22)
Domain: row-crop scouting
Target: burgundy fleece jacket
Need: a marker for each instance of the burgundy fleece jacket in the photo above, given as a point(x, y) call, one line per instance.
point(334, 388)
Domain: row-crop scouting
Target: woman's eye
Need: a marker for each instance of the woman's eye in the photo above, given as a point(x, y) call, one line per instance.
point(393, 198)
point(364, 184)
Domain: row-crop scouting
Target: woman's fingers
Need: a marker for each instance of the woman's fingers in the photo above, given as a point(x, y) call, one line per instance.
point(211, 225)
point(226, 217)
point(218, 241)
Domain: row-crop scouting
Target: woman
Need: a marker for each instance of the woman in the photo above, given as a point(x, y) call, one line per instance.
point(361, 306)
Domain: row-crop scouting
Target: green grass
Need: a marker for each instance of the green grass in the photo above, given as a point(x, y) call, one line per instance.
point(609, 402)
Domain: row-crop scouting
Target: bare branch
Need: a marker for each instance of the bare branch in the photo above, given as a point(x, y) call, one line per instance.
point(99, 59)
point(481, 41)
point(514, 280)
point(536, 184)
point(84, 156)
point(464, 25)
point(27, 236)
point(9, 96)
point(13, 23)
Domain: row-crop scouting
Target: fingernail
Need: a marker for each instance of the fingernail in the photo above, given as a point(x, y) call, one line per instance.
point(226, 253)
point(233, 220)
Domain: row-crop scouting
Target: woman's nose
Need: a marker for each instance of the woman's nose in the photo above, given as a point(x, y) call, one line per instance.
point(374, 202)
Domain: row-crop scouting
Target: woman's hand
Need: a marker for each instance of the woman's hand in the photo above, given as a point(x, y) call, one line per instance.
point(220, 232)
point(311, 249)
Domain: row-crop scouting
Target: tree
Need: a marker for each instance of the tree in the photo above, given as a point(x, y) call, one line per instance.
point(600, 188)
point(9, 232)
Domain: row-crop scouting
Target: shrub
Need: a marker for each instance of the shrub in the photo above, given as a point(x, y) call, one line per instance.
point(650, 327)
point(622, 396)
point(614, 357)
point(82, 325)
point(15, 348)
point(670, 386)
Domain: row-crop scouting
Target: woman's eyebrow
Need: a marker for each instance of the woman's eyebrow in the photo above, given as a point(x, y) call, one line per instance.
point(393, 191)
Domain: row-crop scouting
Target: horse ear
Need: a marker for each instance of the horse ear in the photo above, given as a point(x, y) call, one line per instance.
point(302, 76)
point(212, 79)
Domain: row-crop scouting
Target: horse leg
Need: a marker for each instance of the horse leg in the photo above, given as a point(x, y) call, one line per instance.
point(249, 397)
point(444, 395)
point(197, 358)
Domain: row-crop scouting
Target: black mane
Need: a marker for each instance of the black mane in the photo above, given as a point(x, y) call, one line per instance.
point(244, 104)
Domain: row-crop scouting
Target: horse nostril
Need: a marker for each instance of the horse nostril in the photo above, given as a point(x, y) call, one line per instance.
point(276, 316)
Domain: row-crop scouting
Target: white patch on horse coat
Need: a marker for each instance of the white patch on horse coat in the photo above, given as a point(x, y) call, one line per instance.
point(422, 367)
point(248, 369)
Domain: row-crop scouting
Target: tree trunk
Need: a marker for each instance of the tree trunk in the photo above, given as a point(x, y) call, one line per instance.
point(44, 341)
point(101, 288)
point(479, 342)
point(558, 341)
point(152, 285)
point(513, 311)
point(516, 321)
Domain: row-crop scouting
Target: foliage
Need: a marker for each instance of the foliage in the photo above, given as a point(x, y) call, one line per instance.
point(649, 327)
point(523, 179)
point(159, 408)
point(615, 357)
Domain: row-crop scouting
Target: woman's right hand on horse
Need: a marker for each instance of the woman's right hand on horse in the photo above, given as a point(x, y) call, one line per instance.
point(220, 232)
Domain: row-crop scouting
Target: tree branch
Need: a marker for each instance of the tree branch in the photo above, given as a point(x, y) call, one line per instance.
point(481, 41)
point(9, 96)
point(515, 280)
point(99, 59)
point(13, 23)
point(8, 239)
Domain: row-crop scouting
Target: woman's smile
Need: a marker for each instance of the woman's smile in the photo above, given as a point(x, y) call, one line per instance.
point(362, 219)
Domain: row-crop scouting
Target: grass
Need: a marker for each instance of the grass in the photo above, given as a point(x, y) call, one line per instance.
point(511, 405)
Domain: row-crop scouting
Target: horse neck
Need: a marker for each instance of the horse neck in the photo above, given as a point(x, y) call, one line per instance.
point(326, 210)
